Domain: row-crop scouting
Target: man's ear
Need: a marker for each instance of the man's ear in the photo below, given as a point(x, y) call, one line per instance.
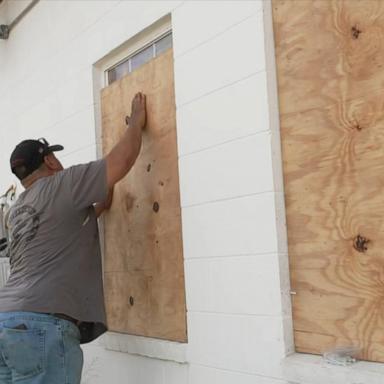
point(49, 162)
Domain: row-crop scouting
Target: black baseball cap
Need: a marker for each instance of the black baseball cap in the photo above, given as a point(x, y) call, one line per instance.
point(29, 155)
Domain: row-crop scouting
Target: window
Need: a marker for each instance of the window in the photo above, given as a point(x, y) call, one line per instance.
point(143, 254)
point(154, 49)
point(332, 140)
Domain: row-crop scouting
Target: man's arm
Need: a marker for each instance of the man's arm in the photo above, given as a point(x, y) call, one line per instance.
point(123, 155)
point(101, 207)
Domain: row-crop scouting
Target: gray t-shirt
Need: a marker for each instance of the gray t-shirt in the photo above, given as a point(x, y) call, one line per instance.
point(55, 252)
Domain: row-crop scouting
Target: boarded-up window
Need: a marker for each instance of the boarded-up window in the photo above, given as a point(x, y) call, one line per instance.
point(330, 57)
point(143, 266)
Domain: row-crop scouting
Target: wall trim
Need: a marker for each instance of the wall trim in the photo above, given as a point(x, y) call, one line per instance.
point(312, 369)
point(145, 346)
point(278, 179)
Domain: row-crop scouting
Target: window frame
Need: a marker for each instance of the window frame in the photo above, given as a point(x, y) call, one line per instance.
point(138, 345)
point(136, 53)
point(131, 47)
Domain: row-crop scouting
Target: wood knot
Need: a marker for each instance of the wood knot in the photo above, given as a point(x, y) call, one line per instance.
point(358, 127)
point(131, 300)
point(360, 243)
point(156, 206)
point(149, 167)
point(355, 32)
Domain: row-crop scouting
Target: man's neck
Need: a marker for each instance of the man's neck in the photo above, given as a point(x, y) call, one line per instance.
point(28, 181)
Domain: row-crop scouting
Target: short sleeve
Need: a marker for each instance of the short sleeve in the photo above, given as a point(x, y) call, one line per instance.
point(87, 183)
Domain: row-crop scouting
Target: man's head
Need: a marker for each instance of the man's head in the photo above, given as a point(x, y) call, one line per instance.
point(32, 155)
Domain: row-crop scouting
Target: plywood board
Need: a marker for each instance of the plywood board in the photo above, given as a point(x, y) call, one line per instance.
point(330, 64)
point(143, 266)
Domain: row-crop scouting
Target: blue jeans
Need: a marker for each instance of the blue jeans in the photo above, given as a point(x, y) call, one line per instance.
point(38, 348)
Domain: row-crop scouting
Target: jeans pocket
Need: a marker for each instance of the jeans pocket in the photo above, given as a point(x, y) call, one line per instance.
point(72, 330)
point(23, 351)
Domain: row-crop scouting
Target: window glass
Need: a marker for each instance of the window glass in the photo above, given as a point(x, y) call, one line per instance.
point(122, 70)
point(111, 76)
point(163, 44)
point(142, 57)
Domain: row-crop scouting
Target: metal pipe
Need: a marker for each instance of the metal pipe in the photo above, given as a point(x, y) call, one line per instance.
point(6, 29)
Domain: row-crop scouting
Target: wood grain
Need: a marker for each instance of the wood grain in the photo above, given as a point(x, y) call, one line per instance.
point(330, 64)
point(143, 266)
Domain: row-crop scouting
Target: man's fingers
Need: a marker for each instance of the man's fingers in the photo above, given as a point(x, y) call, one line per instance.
point(140, 95)
point(138, 101)
point(142, 99)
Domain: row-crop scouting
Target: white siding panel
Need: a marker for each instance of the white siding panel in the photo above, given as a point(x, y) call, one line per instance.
point(241, 167)
point(222, 61)
point(240, 285)
point(249, 344)
point(200, 374)
point(235, 111)
point(241, 226)
point(193, 21)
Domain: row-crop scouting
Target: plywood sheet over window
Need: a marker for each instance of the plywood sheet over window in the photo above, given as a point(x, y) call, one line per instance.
point(330, 61)
point(143, 266)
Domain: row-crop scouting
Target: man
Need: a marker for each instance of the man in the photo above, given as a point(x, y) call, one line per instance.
point(53, 300)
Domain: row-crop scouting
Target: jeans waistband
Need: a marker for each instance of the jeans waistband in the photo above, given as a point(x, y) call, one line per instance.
point(66, 317)
point(32, 316)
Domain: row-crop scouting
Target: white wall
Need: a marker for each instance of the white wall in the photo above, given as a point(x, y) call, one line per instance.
point(237, 281)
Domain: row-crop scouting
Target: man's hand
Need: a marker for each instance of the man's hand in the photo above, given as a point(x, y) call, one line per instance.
point(138, 111)
point(124, 154)
point(101, 207)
